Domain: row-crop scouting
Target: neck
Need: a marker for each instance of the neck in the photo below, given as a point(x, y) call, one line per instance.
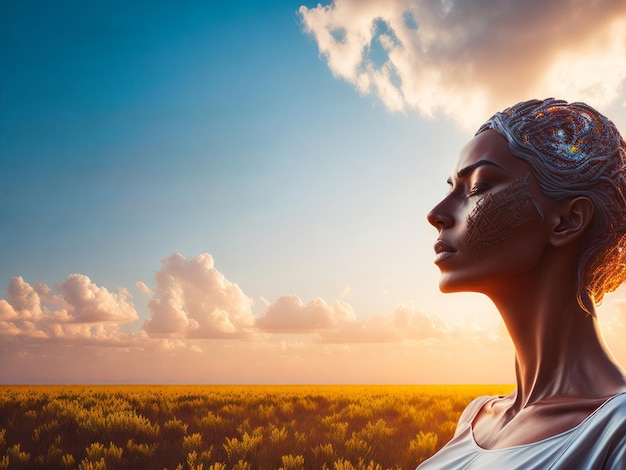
point(559, 350)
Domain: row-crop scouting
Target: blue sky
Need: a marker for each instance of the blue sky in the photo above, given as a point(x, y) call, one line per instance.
point(134, 131)
point(130, 131)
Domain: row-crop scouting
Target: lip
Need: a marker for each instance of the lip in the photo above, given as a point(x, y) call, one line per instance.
point(442, 251)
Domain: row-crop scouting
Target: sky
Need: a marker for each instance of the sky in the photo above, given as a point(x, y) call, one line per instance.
point(236, 192)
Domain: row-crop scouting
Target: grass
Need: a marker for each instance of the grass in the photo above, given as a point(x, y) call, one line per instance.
point(229, 427)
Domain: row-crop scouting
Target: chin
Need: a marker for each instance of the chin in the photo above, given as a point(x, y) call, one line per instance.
point(453, 282)
point(448, 286)
point(446, 289)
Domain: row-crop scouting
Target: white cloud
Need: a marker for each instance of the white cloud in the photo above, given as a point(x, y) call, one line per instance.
point(23, 298)
point(467, 59)
point(292, 341)
point(289, 314)
point(88, 303)
point(142, 287)
point(81, 309)
point(337, 323)
point(406, 322)
point(193, 299)
point(7, 312)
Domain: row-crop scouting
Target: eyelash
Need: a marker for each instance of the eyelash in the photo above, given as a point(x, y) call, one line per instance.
point(478, 188)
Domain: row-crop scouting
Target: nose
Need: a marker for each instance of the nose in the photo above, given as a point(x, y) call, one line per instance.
point(439, 218)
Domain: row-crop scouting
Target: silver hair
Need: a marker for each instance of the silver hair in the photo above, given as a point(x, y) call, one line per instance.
point(576, 151)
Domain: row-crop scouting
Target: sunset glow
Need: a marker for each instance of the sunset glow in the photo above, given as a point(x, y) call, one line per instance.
point(221, 193)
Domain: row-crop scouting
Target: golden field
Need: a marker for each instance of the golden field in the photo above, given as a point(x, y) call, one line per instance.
point(229, 427)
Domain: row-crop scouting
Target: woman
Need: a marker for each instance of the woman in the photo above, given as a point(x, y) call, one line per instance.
point(536, 220)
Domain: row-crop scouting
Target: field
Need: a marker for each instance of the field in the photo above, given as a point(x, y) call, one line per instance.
point(228, 427)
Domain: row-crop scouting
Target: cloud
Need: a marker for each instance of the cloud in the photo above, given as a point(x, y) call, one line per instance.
point(406, 322)
point(289, 314)
point(80, 309)
point(193, 299)
point(346, 292)
point(142, 287)
point(24, 299)
point(467, 59)
point(57, 335)
point(88, 303)
point(336, 323)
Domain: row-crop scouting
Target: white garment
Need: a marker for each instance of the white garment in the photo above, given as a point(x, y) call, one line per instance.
point(599, 442)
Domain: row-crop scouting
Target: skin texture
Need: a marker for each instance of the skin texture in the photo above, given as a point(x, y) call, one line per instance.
point(497, 215)
point(563, 369)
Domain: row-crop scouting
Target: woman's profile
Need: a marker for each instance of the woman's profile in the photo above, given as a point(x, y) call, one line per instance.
point(535, 219)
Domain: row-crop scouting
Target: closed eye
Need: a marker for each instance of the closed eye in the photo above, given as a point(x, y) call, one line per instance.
point(479, 188)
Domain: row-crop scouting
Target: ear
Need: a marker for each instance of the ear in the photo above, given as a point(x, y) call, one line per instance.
point(573, 218)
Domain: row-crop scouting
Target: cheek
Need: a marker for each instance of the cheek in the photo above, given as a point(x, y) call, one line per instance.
point(497, 215)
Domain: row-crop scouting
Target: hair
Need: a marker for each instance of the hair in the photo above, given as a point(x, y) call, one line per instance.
point(576, 151)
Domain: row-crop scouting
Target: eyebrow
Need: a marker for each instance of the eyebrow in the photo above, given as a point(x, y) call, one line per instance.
point(470, 168)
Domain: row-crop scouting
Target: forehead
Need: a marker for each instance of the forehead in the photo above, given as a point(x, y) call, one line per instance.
point(492, 147)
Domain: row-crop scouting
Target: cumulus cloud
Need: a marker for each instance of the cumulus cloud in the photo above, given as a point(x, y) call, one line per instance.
point(88, 303)
point(406, 322)
point(78, 309)
point(192, 302)
point(289, 314)
point(193, 299)
point(337, 322)
point(467, 59)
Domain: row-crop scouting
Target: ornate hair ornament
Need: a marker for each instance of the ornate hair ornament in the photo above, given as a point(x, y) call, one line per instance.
point(572, 136)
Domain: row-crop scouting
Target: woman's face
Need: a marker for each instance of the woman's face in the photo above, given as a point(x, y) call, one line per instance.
point(490, 223)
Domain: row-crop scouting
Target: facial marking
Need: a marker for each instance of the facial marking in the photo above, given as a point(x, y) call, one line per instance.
point(496, 215)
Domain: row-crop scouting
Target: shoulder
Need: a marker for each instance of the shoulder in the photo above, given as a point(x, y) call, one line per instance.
point(618, 400)
point(607, 424)
point(606, 428)
point(614, 408)
point(470, 412)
